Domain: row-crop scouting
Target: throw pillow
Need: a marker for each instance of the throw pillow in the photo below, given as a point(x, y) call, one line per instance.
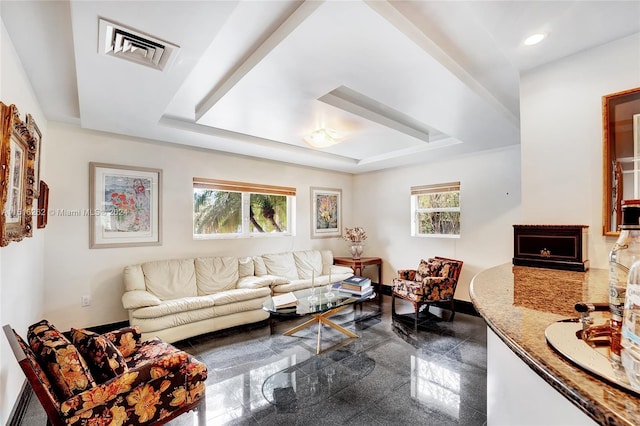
point(64, 365)
point(422, 271)
point(126, 339)
point(102, 355)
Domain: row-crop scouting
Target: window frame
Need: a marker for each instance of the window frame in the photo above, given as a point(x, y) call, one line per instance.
point(246, 189)
point(446, 187)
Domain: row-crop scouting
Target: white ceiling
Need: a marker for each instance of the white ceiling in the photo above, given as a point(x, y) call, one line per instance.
point(401, 81)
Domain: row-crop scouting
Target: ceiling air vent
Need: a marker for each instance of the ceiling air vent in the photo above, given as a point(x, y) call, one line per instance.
point(126, 43)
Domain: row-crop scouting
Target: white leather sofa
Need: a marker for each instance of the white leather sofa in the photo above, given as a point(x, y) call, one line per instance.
point(296, 270)
point(181, 298)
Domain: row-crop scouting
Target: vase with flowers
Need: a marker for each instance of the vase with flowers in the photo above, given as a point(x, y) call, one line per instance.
point(355, 236)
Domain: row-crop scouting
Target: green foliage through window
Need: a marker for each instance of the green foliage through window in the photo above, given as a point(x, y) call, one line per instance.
point(436, 209)
point(229, 212)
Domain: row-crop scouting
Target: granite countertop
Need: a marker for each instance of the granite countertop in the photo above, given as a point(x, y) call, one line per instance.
point(518, 303)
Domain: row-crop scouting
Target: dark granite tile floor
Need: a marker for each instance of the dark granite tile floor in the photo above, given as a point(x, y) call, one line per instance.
point(393, 374)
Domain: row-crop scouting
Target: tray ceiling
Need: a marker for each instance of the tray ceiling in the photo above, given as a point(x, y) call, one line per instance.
point(399, 82)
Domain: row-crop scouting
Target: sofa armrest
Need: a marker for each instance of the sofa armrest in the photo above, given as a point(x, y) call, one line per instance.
point(278, 280)
point(251, 281)
point(339, 269)
point(139, 299)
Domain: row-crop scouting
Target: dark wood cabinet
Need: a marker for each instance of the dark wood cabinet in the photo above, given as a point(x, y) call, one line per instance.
point(551, 246)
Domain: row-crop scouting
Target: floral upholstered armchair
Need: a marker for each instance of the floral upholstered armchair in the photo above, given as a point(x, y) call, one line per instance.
point(85, 378)
point(434, 282)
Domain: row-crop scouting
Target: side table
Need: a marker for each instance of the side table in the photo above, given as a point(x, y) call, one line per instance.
point(358, 266)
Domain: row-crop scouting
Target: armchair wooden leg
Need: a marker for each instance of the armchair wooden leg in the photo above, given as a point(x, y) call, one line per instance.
point(453, 310)
point(393, 303)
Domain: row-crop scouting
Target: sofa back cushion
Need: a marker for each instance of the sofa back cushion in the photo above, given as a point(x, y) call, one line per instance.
point(327, 261)
point(259, 268)
point(281, 264)
point(216, 274)
point(102, 356)
point(308, 261)
point(170, 279)
point(245, 267)
point(64, 365)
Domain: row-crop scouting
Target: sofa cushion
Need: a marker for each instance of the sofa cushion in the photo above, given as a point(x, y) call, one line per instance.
point(170, 279)
point(428, 289)
point(250, 308)
point(104, 359)
point(174, 306)
point(126, 339)
point(259, 268)
point(156, 351)
point(133, 278)
point(64, 365)
point(281, 264)
point(308, 261)
point(327, 261)
point(245, 267)
point(216, 274)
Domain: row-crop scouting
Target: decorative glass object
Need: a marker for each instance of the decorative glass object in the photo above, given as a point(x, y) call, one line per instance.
point(313, 297)
point(356, 249)
point(330, 294)
point(355, 236)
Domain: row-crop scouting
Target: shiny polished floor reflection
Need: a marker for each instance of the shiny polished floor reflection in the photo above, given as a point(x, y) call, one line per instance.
point(393, 374)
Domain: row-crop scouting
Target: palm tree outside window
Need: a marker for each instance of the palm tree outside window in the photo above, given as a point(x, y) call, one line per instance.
point(238, 209)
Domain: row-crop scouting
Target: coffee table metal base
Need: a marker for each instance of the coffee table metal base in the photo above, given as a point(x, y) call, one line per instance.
point(322, 319)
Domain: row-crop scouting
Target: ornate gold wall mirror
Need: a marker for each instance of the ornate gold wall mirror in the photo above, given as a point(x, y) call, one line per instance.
point(621, 136)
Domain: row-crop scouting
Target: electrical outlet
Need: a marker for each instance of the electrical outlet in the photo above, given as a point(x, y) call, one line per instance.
point(85, 300)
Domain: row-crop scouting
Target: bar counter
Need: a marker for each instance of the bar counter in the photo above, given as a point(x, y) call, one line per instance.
point(518, 303)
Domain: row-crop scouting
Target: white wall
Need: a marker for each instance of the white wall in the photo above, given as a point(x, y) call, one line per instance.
point(561, 183)
point(21, 264)
point(490, 205)
point(73, 270)
point(561, 136)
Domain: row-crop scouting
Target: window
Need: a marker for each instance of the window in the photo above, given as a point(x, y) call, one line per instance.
point(435, 210)
point(237, 209)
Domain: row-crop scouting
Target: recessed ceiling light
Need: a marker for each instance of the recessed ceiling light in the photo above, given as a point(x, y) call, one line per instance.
point(534, 39)
point(322, 138)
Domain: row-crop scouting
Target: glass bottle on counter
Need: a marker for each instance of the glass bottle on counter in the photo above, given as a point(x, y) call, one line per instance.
point(624, 253)
point(630, 354)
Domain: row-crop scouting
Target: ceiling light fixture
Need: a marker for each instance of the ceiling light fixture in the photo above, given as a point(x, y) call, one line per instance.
point(534, 39)
point(323, 138)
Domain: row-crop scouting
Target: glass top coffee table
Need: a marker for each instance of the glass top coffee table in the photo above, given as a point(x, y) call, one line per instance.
point(320, 303)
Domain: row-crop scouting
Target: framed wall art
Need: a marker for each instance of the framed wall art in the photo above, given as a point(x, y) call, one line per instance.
point(36, 137)
point(43, 205)
point(16, 193)
point(326, 212)
point(125, 206)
